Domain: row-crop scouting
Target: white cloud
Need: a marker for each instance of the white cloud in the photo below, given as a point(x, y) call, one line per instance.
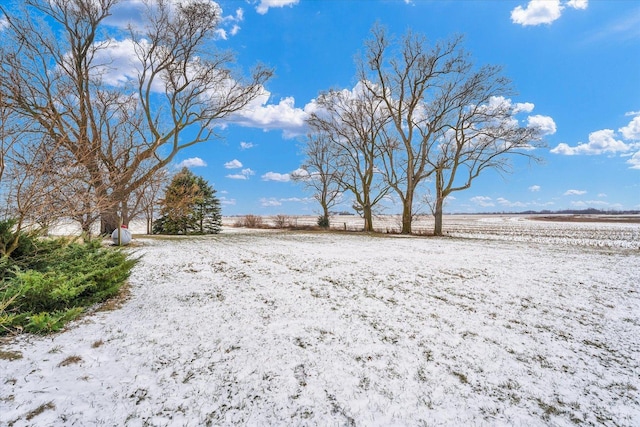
point(523, 107)
point(504, 202)
point(120, 63)
point(233, 164)
point(3, 23)
point(264, 5)
point(283, 115)
point(632, 130)
point(574, 192)
point(634, 161)
point(300, 174)
point(595, 203)
point(537, 12)
point(238, 17)
point(602, 195)
point(271, 202)
point(274, 176)
point(193, 162)
point(227, 202)
point(230, 22)
point(121, 67)
point(298, 199)
point(534, 188)
point(482, 201)
point(245, 174)
point(545, 123)
point(117, 64)
point(246, 145)
point(578, 4)
point(221, 34)
point(600, 142)
point(544, 11)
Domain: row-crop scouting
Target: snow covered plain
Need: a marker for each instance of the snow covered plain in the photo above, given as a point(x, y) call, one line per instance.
point(300, 328)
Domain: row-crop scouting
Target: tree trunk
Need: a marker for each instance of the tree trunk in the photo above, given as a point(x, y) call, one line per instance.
point(407, 214)
point(124, 214)
point(112, 215)
point(437, 230)
point(85, 226)
point(325, 213)
point(109, 221)
point(368, 218)
point(7, 251)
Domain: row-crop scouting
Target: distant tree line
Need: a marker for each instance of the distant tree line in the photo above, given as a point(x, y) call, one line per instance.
point(588, 211)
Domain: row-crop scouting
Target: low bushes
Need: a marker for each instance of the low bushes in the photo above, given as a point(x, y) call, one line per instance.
point(53, 281)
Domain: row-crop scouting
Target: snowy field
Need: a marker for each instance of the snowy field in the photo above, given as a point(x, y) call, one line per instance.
point(511, 322)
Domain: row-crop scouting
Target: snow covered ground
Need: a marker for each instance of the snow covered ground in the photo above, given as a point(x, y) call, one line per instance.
point(295, 328)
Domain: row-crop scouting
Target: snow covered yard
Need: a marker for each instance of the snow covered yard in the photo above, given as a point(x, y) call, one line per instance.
point(286, 328)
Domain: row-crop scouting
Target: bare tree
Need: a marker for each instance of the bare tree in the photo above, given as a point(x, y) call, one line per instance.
point(144, 201)
point(411, 82)
point(449, 118)
point(7, 137)
point(120, 133)
point(34, 182)
point(29, 190)
point(481, 134)
point(321, 174)
point(353, 123)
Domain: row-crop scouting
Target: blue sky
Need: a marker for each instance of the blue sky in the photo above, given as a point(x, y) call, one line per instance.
point(576, 61)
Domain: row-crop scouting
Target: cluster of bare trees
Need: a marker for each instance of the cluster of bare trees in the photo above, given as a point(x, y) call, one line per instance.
point(420, 114)
point(78, 143)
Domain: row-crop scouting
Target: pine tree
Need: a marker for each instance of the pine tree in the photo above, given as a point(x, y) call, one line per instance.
point(189, 207)
point(208, 211)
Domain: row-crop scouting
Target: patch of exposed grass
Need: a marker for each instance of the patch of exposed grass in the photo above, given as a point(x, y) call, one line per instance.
point(39, 410)
point(71, 360)
point(118, 300)
point(10, 355)
point(462, 377)
point(55, 350)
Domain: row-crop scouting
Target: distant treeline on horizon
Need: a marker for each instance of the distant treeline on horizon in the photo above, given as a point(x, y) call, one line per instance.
point(589, 211)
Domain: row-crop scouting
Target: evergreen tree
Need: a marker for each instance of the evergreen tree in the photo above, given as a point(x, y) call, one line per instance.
point(189, 207)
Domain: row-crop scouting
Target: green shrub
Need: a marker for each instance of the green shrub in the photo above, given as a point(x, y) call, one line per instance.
point(45, 322)
point(323, 221)
point(58, 283)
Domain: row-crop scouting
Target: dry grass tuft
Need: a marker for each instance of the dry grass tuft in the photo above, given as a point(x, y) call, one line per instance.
point(71, 360)
point(39, 410)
